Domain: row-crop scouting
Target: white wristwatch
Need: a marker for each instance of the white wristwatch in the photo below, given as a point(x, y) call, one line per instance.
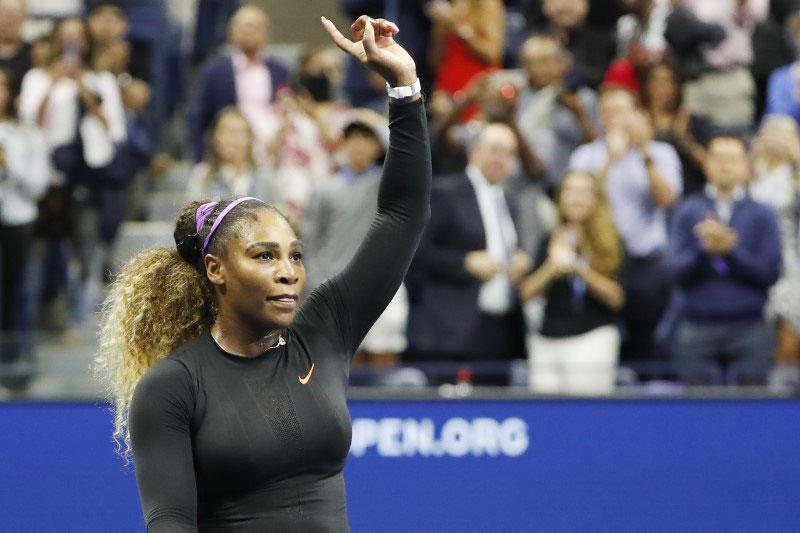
point(406, 91)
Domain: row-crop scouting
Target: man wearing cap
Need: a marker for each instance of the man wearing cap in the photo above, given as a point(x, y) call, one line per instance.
point(340, 216)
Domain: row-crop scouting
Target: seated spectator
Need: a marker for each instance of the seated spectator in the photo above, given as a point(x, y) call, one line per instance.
point(783, 86)
point(592, 48)
point(554, 119)
point(15, 54)
point(662, 98)
point(725, 253)
point(466, 40)
point(642, 179)
point(23, 181)
point(577, 349)
point(229, 169)
point(340, 218)
point(724, 93)
point(460, 285)
point(776, 183)
point(244, 77)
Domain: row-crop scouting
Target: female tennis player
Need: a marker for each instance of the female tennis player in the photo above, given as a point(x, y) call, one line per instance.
point(239, 421)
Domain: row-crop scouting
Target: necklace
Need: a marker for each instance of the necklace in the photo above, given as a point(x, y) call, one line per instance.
point(218, 339)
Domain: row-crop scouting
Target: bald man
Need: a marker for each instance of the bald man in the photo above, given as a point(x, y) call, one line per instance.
point(243, 76)
point(15, 54)
point(463, 306)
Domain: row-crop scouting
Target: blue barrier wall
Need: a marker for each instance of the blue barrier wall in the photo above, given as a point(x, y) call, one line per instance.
point(606, 465)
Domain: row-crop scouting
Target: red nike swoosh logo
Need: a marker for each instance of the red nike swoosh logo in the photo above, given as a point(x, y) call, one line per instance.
point(304, 380)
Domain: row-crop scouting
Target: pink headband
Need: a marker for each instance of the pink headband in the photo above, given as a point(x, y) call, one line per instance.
point(202, 214)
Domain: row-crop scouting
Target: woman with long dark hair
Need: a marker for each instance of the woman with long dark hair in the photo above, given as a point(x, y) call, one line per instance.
point(236, 392)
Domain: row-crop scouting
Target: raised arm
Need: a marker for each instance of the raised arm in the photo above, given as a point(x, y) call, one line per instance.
point(362, 290)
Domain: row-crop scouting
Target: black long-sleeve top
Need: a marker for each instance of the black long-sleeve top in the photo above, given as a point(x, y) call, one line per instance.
point(223, 442)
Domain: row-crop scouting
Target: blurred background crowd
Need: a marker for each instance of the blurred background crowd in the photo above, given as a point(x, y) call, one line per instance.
point(616, 194)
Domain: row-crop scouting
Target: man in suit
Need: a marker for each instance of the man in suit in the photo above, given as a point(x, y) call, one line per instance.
point(463, 305)
point(244, 77)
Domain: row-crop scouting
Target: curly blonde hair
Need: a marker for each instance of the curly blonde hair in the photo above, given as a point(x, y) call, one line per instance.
point(160, 300)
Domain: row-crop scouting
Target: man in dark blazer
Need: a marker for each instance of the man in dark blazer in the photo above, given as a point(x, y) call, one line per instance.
point(463, 306)
point(242, 77)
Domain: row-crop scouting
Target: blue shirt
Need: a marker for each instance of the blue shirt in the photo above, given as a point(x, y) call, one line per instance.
point(781, 90)
point(641, 222)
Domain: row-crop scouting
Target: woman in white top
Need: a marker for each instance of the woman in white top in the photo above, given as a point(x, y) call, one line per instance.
point(54, 98)
point(776, 182)
point(80, 112)
point(23, 180)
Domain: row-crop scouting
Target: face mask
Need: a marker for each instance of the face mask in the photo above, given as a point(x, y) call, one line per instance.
point(317, 85)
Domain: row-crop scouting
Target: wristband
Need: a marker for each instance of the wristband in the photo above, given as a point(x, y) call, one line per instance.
point(405, 91)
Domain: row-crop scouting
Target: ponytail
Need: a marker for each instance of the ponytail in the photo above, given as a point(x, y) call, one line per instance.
point(157, 303)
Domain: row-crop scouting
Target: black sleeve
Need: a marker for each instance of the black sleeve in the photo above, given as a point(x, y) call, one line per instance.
point(358, 295)
point(160, 417)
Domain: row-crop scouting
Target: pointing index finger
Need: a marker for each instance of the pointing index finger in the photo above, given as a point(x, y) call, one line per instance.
point(340, 40)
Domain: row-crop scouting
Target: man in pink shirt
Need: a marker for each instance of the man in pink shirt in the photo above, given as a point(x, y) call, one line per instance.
point(244, 77)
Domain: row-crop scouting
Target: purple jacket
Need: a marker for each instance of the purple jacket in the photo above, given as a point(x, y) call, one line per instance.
point(734, 286)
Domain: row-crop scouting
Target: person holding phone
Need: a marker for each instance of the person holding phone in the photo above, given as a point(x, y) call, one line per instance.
point(80, 112)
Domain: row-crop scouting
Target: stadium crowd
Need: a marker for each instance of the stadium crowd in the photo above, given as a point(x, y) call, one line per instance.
point(616, 182)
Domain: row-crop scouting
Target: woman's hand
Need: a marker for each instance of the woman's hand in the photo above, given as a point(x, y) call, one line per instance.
point(374, 46)
point(562, 259)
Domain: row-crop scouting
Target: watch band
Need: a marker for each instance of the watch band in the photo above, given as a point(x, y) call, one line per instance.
point(405, 91)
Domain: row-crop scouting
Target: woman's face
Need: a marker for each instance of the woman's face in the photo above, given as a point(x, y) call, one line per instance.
point(232, 139)
point(662, 88)
point(261, 274)
point(577, 199)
